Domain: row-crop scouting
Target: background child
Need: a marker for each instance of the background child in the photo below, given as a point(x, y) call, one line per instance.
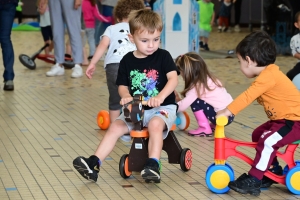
point(224, 15)
point(202, 91)
point(206, 21)
point(115, 39)
point(19, 13)
point(90, 12)
point(295, 47)
point(149, 71)
point(45, 24)
point(281, 101)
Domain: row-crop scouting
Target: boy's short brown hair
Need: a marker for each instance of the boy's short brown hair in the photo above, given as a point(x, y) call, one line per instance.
point(145, 19)
point(124, 7)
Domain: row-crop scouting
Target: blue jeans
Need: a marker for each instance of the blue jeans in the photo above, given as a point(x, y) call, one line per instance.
point(7, 15)
point(101, 26)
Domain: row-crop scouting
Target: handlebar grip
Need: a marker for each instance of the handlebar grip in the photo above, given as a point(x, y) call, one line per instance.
point(222, 121)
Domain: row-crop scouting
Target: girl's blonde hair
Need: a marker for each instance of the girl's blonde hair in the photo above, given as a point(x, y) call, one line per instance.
point(124, 7)
point(145, 19)
point(195, 73)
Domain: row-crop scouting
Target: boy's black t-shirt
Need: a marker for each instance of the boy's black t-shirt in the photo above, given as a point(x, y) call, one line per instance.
point(147, 76)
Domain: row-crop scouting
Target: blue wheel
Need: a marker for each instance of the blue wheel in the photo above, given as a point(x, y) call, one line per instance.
point(292, 180)
point(218, 177)
point(286, 168)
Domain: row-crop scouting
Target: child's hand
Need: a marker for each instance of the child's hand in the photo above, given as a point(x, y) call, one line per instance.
point(224, 112)
point(126, 99)
point(90, 70)
point(155, 101)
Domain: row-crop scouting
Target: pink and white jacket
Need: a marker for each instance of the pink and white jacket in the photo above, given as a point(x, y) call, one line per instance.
point(90, 12)
point(218, 98)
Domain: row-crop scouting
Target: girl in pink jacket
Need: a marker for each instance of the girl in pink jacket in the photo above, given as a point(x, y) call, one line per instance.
point(90, 12)
point(203, 92)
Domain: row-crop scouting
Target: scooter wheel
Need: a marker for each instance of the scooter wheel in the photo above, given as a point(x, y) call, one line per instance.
point(27, 61)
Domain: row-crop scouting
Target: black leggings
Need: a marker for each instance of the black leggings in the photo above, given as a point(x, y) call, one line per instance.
point(19, 15)
point(293, 72)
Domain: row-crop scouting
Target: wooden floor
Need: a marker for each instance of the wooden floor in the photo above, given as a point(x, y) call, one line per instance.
point(46, 122)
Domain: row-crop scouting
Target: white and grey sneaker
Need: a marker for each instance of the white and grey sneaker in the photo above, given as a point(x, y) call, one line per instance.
point(56, 70)
point(77, 71)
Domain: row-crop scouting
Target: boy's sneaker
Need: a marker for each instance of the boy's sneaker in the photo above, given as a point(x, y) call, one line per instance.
point(219, 29)
point(77, 71)
point(151, 171)
point(246, 184)
point(205, 46)
point(237, 28)
point(87, 167)
point(201, 44)
point(56, 70)
point(267, 182)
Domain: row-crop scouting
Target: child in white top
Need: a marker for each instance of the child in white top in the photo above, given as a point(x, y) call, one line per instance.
point(115, 40)
point(295, 47)
point(202, 91)
point(45, 24)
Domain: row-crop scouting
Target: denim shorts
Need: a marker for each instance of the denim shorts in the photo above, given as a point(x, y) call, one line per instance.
point(167, 113)
point(111, 77)
point(203, 33)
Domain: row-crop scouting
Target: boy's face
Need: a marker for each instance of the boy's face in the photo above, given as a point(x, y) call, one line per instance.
point(297, 24)
point(146, 43)
point(247, 66)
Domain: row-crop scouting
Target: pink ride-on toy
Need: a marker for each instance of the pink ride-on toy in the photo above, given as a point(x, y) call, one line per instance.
point(135, 160)
point(220, 173)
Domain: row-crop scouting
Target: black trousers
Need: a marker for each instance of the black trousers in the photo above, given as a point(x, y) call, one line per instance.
point(19, 15)
point(293, 72)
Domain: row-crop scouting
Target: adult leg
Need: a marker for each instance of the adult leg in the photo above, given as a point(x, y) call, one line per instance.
point(90, 33)
point(57, 25)
point(73, 20)
point(7, 13)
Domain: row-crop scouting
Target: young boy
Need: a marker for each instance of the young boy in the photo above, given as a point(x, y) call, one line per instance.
point(206, 21)
point(295, 47)
point(149, 71)
point(281, 101)
point(115, 40)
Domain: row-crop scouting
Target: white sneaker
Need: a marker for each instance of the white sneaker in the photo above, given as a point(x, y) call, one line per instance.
point(77, 71)
point(237, 28)
point(56, 70)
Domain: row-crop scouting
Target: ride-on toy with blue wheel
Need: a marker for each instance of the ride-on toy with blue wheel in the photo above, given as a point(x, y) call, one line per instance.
point(220, 173)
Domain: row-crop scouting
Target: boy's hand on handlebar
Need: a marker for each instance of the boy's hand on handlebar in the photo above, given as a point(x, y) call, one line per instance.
point(126, 99)
point(224, 112)
point(155, 101)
